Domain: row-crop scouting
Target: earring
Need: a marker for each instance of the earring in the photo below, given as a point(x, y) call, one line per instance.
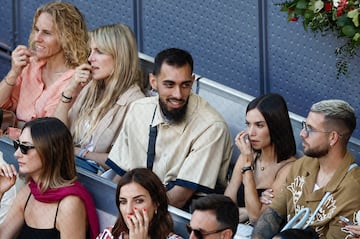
point(155, 211)
point(153, 92)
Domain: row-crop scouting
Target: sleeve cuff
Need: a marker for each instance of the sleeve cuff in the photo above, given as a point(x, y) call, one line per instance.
point(115, 167)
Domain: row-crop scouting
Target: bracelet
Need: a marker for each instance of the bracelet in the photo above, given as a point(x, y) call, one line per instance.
point(65, 101)
point(244, 169)
point(12, 85)
point(66, 97)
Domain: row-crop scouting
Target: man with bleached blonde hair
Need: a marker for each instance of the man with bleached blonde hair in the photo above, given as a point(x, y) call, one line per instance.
point(324, 180)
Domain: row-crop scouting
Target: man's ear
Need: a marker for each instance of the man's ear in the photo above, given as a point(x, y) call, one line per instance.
point(334, 138)
point(193, 78)
point(227, 234)
point(153, 81)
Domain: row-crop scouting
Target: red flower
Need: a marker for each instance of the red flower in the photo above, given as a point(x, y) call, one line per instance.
point(293, 19)
point(328, 6)
point(341, 7)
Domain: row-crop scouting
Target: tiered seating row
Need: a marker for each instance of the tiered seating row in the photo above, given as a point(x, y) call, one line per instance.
point(229, 102)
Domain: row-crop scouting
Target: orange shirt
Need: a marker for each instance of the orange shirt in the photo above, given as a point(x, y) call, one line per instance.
point(30, 99)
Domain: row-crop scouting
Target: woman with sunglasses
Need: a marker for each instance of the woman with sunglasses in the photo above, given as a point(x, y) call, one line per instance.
point(267, 149)
point(143, 206)
point(52, 204)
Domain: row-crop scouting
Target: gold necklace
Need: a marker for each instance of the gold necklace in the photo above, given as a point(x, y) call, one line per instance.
point(262, 168)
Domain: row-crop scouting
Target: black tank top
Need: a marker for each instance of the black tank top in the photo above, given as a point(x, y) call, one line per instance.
point(241, 195)
point(35, 233)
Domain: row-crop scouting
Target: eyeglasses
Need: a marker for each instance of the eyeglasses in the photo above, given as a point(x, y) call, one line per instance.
point(200, 234)
point(308, 130)
point(23, 148)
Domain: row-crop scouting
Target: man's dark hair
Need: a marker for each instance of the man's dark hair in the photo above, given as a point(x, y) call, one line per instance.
point(173, 57)
point(225, 210)
point(293, 233)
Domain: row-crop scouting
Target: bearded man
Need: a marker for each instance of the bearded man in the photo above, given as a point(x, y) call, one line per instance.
point(176, 133)
point(326, 180)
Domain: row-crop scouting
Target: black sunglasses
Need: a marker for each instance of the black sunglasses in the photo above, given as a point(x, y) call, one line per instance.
point(199, 233)
point(23, 148)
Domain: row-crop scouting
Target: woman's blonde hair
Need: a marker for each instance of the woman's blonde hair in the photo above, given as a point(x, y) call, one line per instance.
point(118, 41)
point(70, 28)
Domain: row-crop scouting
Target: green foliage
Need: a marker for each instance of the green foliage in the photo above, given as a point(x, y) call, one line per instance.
point(321, 16)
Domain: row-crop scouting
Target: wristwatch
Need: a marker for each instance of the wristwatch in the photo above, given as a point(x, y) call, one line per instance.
point(244, 169)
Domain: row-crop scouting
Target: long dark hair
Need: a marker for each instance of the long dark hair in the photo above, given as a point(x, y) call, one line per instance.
point(54, 144)
point(161, 224)
point(274, 110)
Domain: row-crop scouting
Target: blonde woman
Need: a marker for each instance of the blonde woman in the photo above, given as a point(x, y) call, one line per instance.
point(98, 113)
point(39, 73)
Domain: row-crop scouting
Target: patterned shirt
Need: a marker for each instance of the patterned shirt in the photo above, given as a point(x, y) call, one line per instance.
point(343, 199)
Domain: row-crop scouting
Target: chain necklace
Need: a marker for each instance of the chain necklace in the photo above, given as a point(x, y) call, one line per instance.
point(258, 157)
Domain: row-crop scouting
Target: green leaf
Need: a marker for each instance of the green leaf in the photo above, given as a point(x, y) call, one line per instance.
point(342, 21)
point(354, 14)
point(356, 37)
point(284, 9)
point(298, 11)
point(302, 4)
point(348, 30)
point(308, 14)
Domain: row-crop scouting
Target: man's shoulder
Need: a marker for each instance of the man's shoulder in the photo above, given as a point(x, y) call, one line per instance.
point(354, 174)
point(146, 100)
point(143, 103)
point(305, 160)
point(304, 165)
point(204, 111)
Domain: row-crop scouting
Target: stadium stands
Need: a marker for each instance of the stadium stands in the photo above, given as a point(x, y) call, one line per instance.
point(229, 102)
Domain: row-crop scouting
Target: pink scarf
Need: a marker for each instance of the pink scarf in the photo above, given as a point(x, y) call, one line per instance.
point(76, 189)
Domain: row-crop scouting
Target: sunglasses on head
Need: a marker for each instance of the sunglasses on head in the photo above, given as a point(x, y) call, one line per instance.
point(23, 148)
point(200, 234)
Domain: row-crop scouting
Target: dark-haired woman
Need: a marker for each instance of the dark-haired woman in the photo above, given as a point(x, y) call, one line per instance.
point(267, 151)
point(143, 206)
point(52, 204)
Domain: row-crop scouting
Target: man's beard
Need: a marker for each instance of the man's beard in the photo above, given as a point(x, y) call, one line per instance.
point(173, 115)
point(317, 153)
